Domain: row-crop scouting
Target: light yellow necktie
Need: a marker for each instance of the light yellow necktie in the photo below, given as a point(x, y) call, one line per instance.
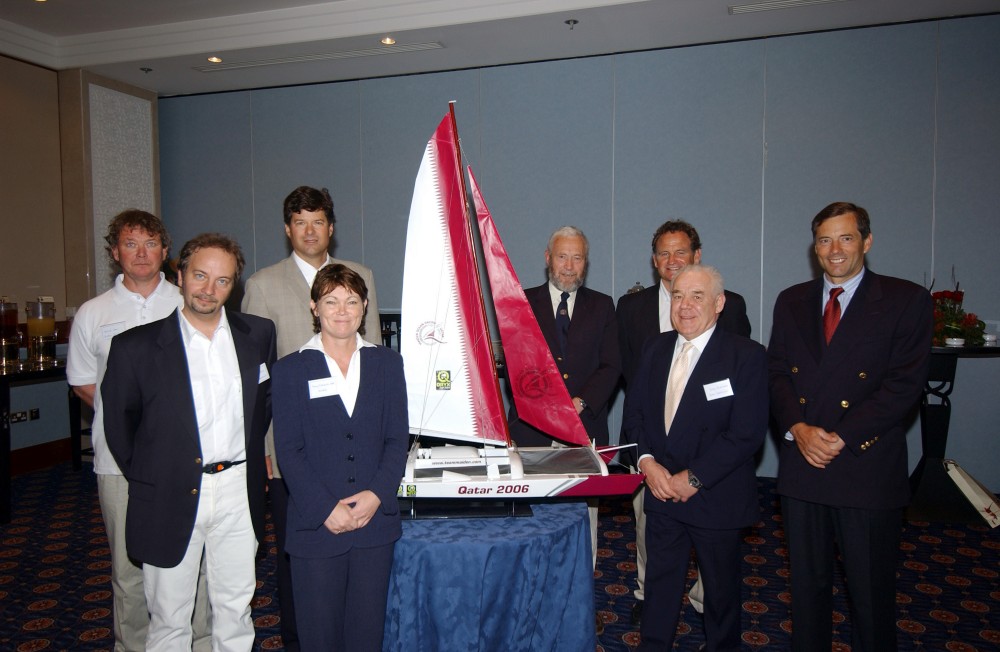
point(675, 384)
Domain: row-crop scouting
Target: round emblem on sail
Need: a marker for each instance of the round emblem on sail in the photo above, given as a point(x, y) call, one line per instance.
point(533, 383)
point(430, 333)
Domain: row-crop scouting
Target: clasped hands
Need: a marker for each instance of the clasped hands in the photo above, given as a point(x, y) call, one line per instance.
point(818, 446)
point(666, 485)
point(352, 512)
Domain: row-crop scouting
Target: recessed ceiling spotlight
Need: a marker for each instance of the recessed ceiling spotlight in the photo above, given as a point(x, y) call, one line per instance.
point(388, 40)
point(146, 70)
point(215, 60)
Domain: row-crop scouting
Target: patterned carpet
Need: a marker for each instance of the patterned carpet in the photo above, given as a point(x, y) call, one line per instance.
point(55, 586)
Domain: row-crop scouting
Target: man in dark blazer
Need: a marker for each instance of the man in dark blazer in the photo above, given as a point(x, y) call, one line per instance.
point(187, 404)
point(585, 348)
point(697, 406)
point(644, 314)
point(849, 357)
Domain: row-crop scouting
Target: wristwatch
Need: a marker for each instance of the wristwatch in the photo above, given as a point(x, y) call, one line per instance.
point(693, 480)
point(583, 403)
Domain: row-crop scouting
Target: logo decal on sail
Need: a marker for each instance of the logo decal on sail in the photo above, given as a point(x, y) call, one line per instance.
point(430, 333)
point(442, 379)
point(533, 383)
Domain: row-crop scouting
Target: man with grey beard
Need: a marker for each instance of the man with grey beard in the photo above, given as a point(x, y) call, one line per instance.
point(580, 328)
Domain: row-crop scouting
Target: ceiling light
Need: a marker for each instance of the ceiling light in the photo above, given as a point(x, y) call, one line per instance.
point(215, 60)
point(771, 5)
point(388, 40)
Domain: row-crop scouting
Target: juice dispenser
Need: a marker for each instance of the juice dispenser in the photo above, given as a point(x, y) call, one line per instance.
point(41, 318)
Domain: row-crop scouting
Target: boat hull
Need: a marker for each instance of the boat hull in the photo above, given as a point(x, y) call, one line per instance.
point(547, 473)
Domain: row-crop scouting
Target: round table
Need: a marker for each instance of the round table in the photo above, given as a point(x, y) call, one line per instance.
point(494, 583)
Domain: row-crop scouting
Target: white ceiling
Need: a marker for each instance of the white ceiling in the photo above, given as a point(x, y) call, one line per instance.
point(283, 42)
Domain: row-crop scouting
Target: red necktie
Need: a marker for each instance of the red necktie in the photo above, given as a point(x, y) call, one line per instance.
point(831, 314)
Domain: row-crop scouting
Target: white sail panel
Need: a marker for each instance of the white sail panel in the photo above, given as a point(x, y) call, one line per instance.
point(449, 367)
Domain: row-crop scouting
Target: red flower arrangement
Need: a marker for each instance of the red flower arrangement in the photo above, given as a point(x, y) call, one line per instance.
point(951, 320)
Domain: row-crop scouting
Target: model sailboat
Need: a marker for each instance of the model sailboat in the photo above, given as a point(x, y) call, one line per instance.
point(450, 365)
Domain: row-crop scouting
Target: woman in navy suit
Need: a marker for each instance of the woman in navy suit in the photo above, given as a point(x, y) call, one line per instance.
point(340, 429)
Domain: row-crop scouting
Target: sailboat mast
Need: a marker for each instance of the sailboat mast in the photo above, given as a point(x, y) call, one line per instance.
point(479, 280)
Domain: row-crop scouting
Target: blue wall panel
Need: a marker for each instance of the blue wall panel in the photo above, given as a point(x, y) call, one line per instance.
point(306, 136)
point(205, 167)
point(745, 140)
point(547, 160)
point(398, 117)
point(967, 224)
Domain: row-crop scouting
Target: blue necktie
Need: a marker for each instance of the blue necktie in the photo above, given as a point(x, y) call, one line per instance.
point(562, 321)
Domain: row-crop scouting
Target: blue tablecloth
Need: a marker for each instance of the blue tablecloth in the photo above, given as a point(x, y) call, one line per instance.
point(503, 584)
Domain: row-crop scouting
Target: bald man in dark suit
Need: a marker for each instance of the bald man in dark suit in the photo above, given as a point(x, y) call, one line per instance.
point(645, 314)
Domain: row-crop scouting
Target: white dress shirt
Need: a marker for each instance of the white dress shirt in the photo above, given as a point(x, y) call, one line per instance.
point(217, 388)
point(665, 323)
point(308, 271)
point(346, 386)
point(556, 295)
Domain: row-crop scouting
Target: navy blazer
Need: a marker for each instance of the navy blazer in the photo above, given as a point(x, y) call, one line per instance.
point(327, 455)
point(863, 386)
point(715, 438)
point(152, 430)
point(591, 366)
point(639, 319)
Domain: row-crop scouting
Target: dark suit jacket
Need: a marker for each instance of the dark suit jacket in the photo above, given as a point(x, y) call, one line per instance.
point(639, 319)
point(716, 439)
point(862, 386)
point(328, 455)
point(591, 366)
point(152, 430)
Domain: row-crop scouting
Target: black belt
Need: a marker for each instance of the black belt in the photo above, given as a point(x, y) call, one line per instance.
point(216, 467)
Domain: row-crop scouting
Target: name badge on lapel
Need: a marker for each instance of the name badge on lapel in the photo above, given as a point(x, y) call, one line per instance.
point(320, 387)
point(718, 389)
point(263, 373)
point(110, 330)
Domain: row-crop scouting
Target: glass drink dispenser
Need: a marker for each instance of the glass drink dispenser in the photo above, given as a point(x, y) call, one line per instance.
point(41, 321)
point(10, 337)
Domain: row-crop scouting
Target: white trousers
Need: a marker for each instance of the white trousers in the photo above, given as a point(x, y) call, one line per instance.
point(130, 615)
point(223, 532)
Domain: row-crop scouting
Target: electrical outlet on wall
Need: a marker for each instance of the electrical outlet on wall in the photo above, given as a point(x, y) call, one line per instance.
point(18, 417)
point(33, 414)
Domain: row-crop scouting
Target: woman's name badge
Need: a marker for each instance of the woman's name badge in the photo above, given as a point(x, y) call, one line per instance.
point(719, 389)
point(320, 387)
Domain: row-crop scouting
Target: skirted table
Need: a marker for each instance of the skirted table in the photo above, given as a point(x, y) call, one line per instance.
point(504, 584)
point(935, 496)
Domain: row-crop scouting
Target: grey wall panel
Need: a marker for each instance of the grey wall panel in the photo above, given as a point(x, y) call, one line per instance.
point(850, 117)
point(307, 135)
point(689, 145)
point(398, 117)
point(967, 224)
point(205, 167)
point(547, 160)
point(745, 140)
